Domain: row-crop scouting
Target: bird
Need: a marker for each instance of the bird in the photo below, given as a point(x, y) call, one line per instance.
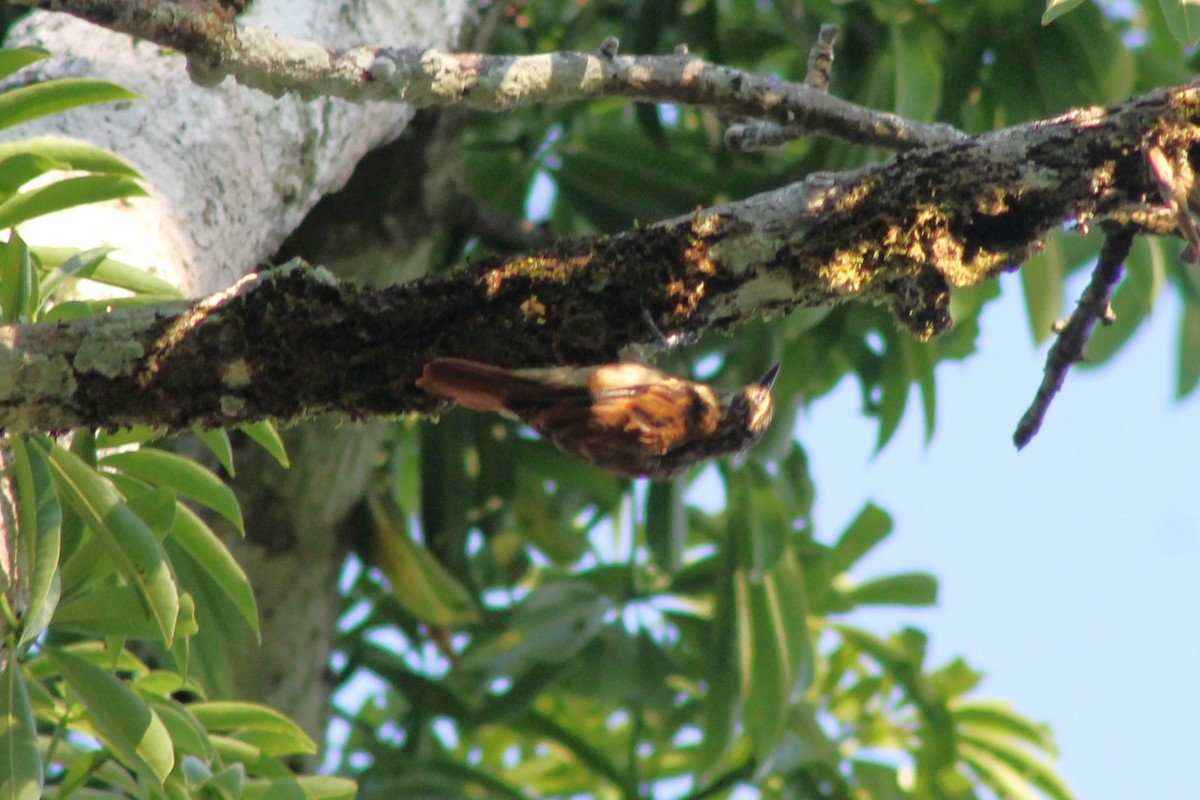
point(625, 417)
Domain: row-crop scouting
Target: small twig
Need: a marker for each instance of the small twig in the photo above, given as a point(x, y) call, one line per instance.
point(1068, 349)
point(422, 77)
point(750, 135)
point(820, 59)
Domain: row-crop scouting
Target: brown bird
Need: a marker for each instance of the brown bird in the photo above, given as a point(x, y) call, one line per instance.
point(626, 418)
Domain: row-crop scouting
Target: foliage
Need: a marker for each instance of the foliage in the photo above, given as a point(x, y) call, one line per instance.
point(524, 625)
point(104, 557)
point(586, 635)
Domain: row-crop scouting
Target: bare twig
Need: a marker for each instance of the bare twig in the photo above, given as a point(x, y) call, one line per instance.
point(760, 135)
point(217, 47)
point(820, 59)
point(1068, 349)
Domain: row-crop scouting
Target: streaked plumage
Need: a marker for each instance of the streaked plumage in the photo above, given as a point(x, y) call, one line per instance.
point(626, 418)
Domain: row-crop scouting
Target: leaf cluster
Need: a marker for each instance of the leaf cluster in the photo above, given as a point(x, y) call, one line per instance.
point(106, 554)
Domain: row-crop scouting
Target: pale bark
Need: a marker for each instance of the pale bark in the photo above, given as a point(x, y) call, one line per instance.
point(232, 171)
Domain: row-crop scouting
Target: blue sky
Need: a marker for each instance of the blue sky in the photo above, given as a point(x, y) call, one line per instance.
point(1070, 572)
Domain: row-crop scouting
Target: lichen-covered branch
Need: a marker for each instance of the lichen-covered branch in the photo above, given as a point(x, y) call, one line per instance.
point(217, 46)
point(296, 342)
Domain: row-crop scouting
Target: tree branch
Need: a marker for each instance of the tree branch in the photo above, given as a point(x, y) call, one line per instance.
point(217, 47)
point(296, 342)
point(1068, 349)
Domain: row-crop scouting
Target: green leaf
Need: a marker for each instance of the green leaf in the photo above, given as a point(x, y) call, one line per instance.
point(263, 433)
point(1030, 769)
point(550, 626)
point(423, 586)
point(135, 434)
point(22, 161)
point(50, 97)
point(879, 781)
point(18, 169)
point(114, 273)
point(244, 719)
point(20, 760)
point(228, 783)
point(918, 69)
point(220, 567)
point(666, 524)
point(67, 311)
point(217, 441)
point(40, 526)
point(539, 519)
point(304, 787)
point(869, 528)
point(191, 480)
point(15, 59)
point(774, 649)
point(80, 265)
point(131, 545)
point(908, 589)
point(107, 611)
point(998, 716)
point(1188, 374)
point(1042, 279)
point(902, 664)
point(123, 720)
point(18, 283)
point(1056, 8)
point(187, 733)
point(67, 193)
point(895, 385)
point(155, 507)
point(1002, 778)
point(1183, 18)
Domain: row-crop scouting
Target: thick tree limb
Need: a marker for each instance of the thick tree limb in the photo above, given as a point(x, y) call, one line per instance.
point(298, 343)
point(218, 47)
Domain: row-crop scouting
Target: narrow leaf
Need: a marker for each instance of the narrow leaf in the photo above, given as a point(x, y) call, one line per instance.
point(40, 525)
point(190, 479)
point(187, 734)
point(113, 273)
point(49, 153)
point(80, 265)
point(107, 611)
point(265, 436)
point(869, 528)
point(67, 193)
point(15, 59)
point(423, 586)
point(217, 441)
point(1183, 18)
point(40, 99)
point(241, 718)
point(1042, 279)
point(1188, 375)
point(220, 567)
point(20, 760)
point(1056, 8)
point(131, 545)
point(17, 281)
point(128, 726)
point(906, 589)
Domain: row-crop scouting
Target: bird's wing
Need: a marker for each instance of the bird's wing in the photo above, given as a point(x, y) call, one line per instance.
point(486, 387)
